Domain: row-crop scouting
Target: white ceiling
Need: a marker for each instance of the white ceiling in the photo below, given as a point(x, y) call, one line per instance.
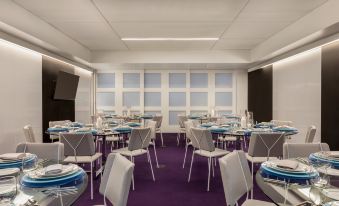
point(100, 24)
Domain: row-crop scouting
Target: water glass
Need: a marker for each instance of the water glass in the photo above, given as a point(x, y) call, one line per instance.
point(8, 190)
point(29, 163)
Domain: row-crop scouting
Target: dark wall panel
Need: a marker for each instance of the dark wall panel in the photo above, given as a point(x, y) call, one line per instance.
point(330, 95)
point(260, 87)
point(53, 110)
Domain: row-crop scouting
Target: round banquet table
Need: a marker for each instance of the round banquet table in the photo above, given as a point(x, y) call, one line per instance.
point(48, 200)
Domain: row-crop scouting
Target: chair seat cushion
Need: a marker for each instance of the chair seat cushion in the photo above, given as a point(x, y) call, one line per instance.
point(83, 159)
point(124, 151)
point(259, 159)
point(256, 203)
point(216, 153)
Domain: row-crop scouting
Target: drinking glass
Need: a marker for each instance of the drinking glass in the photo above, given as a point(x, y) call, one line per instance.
point(8, 190)
point(29, 163)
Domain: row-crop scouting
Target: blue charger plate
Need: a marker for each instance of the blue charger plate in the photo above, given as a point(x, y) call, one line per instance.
point(17, 163)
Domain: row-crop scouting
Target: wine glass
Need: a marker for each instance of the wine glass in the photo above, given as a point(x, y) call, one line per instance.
point(8, 190)
point(29, 163)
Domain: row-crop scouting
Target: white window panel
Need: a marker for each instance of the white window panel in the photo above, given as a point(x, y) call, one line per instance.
point(131, 99)
point(106, 80)
point(199, 98)
point(177, 80)
point(152, 80)
point(199, 80)
point(177, 99)
point(223, 99)
point(198, 112)
point(153, 113)
point(223, 80)
point(131, 80)
point(223, 112)
point(173, 117)
point(152, 99)
point(105, 99)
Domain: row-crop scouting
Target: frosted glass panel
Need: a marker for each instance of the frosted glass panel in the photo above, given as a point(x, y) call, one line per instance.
point(199, 98)
point(153, 112)
point(131, 99)
point(105, 99)
point(199, 80)
point(177, 99)
point(223, 80)
point(152, 99)
point(177, 80)
point(196, 112)
point(223, 99)
point(131, 80)
point(173, 117)
point(106, 80)
point(152, 80)
point(224, 112)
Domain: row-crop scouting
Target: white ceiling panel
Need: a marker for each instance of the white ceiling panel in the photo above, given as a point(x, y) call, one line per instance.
point(170, 10)
point(62, 10)
point(91, 33)
point(254, 29)
point(169, 45)
point(234, 43)
point(170, 29)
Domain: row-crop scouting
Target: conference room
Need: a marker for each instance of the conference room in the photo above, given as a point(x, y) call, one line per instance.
point(172, 102)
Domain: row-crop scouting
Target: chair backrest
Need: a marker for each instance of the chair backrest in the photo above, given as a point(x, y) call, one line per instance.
point(202, 139)
point(139, 139)
point(282, 123)
point(29, 134)
point(51, 151)
point(266, 144)
point(181, 120)
point(158, 120)
point(293, 150)
point(152, 125)
point(116, 180)
point(61, 122)
point(236, 176)
point(188, 125)
point(310, 134)
point(78, 144)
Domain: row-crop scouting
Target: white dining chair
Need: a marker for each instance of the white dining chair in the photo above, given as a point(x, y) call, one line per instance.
point(310, 134)
point(116, 180)
point(263, 147)
point(181, 120)
point(158, 120)
point(55, 137)
point(188, 142)
point(236, 179)
point(152, 125)
point(138, 145)
point(80, 149)
point(294, 150)
point(48, 151)
point(29, 134)
point(203, 146)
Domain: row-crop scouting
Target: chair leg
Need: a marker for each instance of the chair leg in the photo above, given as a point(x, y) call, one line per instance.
point(178, 138)
point(162, 139)
point(150, 163)
point(186, 146)
point(91, 180)
point(212, 165)
point(132, 160)
point(252, 167)
point(155, 154)
point(189, 175)
point(209, 174)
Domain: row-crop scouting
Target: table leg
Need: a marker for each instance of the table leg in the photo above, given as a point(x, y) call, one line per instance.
point(104, 148)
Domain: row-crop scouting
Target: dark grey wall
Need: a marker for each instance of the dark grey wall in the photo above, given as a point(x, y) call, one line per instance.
point(260, 90)
point(53, 110)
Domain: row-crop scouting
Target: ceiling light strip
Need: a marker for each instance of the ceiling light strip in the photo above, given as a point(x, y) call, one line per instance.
point(171, 39)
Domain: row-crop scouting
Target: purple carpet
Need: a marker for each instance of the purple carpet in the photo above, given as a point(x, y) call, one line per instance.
point(171, 187)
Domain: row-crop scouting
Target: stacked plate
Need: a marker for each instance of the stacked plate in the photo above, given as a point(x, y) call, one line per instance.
point(218, 130)
point(331, 157)
point(122, 129)
point(286, 129)
point(57, 129)
point(207, 125)
point(264, 125)
point(133, 124)
point(288, 170)
point(17, 163)
point(54, 175)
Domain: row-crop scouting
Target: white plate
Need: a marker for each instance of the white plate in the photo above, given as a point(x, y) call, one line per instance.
point(66, 170)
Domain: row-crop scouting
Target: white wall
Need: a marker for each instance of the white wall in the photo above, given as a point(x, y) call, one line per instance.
point(21, 95)
point(297, 92)
point(83, 103)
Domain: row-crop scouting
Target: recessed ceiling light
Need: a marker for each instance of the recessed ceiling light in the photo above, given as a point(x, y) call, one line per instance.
point(169, 39)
